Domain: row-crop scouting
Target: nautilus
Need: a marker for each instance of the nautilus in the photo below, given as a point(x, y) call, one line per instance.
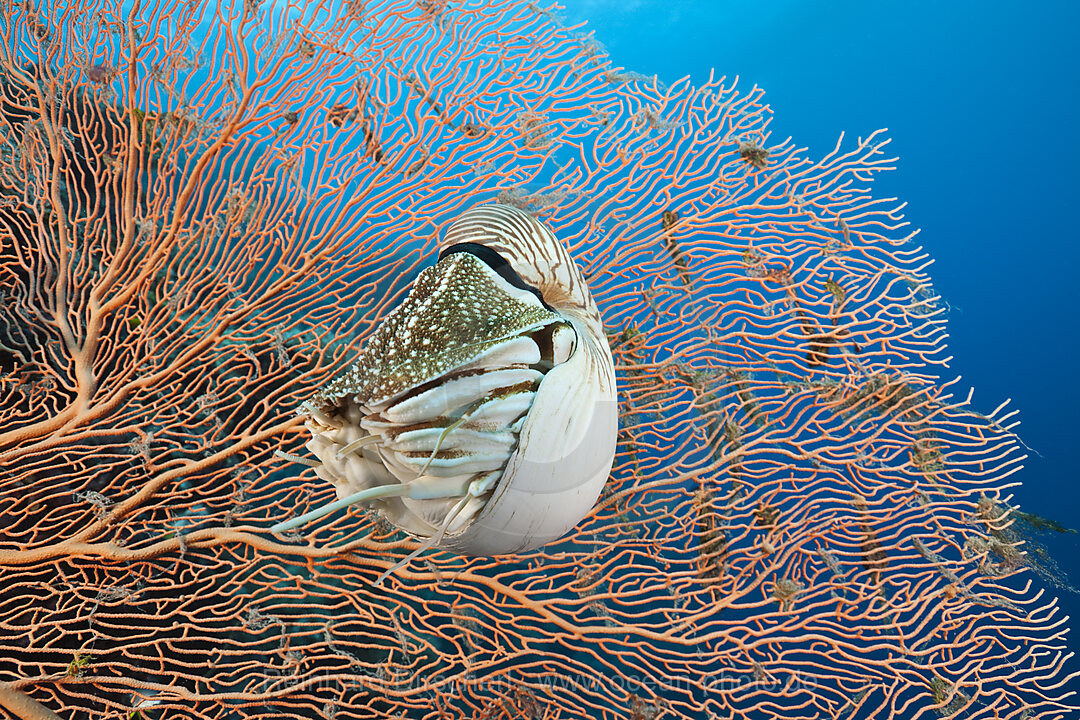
point(481, 415)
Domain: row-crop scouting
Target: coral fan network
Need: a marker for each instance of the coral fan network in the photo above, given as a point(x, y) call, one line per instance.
point(204, 211)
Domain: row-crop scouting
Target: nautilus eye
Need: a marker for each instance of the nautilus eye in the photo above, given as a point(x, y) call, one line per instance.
point(481, 414)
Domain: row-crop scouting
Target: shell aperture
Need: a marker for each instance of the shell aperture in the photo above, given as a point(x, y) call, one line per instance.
point(478, 416)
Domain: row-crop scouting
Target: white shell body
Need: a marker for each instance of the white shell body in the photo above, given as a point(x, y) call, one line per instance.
point(482, 414)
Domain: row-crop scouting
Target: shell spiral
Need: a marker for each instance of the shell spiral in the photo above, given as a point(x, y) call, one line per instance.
point(481, 414)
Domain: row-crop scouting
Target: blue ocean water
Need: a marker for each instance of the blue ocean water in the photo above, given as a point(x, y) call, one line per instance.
point(982, 101)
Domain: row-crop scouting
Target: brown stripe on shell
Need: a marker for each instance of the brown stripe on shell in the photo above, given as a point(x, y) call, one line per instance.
point(542, 261)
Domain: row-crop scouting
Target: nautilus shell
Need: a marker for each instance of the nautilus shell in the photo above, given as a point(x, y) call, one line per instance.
point(481, 415)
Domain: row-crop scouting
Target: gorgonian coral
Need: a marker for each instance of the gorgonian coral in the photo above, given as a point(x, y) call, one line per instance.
point(206, 208)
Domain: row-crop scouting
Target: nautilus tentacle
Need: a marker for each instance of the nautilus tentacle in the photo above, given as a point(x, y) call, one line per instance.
point(481, 415)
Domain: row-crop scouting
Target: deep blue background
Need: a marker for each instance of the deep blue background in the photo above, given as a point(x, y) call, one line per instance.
point(981, 100)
